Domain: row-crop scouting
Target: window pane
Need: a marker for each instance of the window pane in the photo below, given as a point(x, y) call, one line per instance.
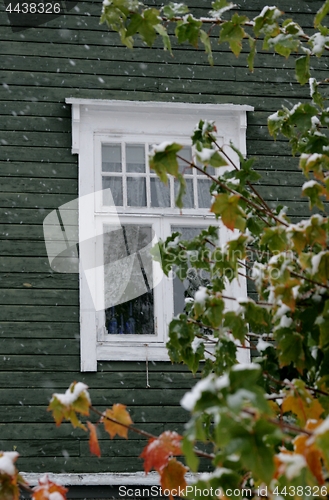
point(160, 193)
point(111, 158)
point(128, 280)
point(204, 195)
point(188, 198)
point(136, 192)
point(208, 169)
point(195, 277)
point(115, 184)
point(135, 158)
point(185, 153)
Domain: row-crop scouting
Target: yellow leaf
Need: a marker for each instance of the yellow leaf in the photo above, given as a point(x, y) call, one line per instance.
point(303, 405)
point(113, 418)
point(306, 447)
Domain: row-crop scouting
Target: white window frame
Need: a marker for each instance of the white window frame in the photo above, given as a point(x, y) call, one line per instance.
point(96, 121)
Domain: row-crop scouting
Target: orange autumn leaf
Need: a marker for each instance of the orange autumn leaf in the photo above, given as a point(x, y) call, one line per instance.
point(120, 414)
point(93, 440)
point(158, 451)
point(46, 488)
point(304, 446)
point(305, 408)
point(172, 477)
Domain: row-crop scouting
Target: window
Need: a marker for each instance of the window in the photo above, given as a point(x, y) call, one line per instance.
point(126, 303)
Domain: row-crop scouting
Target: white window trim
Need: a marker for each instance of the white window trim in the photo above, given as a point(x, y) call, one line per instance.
point(92, 119)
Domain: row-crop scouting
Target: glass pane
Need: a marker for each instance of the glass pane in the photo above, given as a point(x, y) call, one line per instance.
point(128, 280)
point(195, 277)
point(111, 158)
point(210, 170)
point(136, 192)
point(135, 158)
point(160, 193)
point(204, 195)
point(115, 184)
point(185, 153)
point(188, 198)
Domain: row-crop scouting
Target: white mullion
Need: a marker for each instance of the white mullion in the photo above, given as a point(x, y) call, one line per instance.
point(124, 175)
point(172, 192)
point(195, 188)
point(147, 173)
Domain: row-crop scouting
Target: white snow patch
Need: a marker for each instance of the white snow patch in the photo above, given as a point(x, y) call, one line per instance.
point(262, 345)
point(285, 322)
point(318, 42)
point(207, 476)
point(245, 366)
point(283, 309)
point(196, 343)
point(205, 154)
point(70, 396)
point(309, 184)
point(222, 382)
point(7, 462)
point(190, 399)
point(160, 148)
point(55, 496)
point(201, 295)
point(316, 259)
point(324, 427)
point(294, 464)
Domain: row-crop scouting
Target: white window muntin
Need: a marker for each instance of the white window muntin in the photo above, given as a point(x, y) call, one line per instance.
point(192, 175)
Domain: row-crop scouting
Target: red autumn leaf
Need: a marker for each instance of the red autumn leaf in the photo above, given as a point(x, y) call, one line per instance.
point(158, 451)
point(46, 488)
point(172, 477)
point(93, 440)
point(120, 414)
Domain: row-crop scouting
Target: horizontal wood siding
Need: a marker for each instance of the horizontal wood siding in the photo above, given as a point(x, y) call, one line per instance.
point(75, 56)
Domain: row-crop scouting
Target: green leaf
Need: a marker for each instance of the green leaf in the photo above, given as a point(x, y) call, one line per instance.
point(192, 460)
point(275, 122)
point(165, 37)
point(303, 69)
point(188, 30)
point(227, 207)
point(283, 44)
point(144, 25)
point(219, 7)
point(164, 160)
point(274, 238)
point(233, 33)
point(236, 324)
point(257, 316)
point(256, 455)
point(290, 347)
point(181, 191)
point(252, 53)
point(322, 12)
point(313, 190)
point(317, 98)
point(174, 10)
point(209, 156)
point(205, 39)
point(265, 22)
point(214, 312)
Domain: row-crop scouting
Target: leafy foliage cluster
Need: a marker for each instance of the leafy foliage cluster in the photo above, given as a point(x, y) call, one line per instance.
point(267, 422)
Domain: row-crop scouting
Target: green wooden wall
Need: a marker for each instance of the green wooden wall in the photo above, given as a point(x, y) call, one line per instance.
point(73, 56)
